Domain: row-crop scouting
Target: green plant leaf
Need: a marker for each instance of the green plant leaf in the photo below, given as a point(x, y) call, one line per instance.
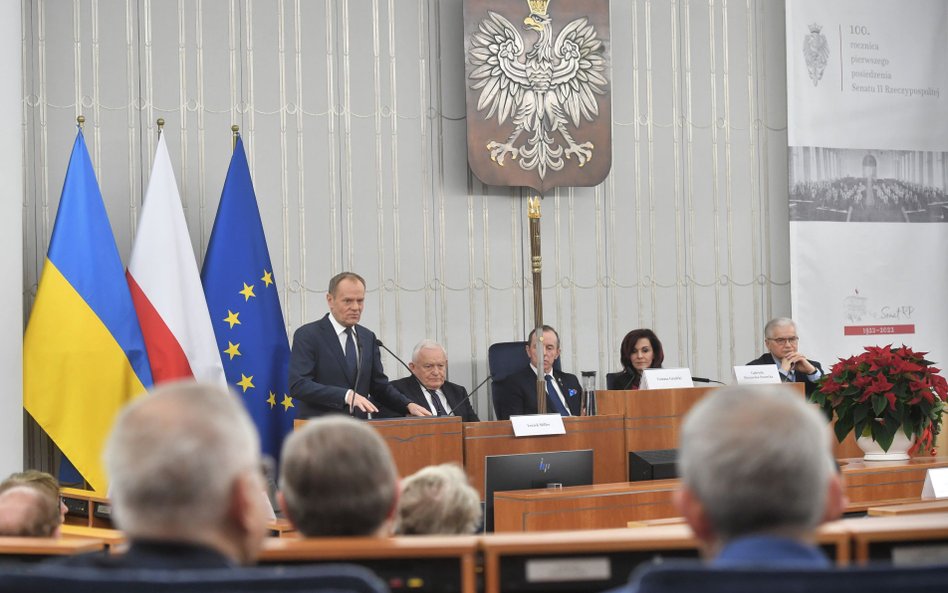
point(879, 402)
point(882, 435)
point(844, 425)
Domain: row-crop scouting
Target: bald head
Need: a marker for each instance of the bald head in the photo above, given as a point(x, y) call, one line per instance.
point(28, 512)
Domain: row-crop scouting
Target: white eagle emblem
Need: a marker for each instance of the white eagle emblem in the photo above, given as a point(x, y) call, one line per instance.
point(554, 85)
point(815, 52)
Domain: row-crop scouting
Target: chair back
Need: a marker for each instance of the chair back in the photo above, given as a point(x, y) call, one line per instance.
point(324, 578)
point(876, 579)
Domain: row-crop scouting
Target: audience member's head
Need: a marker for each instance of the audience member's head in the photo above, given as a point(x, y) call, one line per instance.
point(438, 500)
point(337, 478)
point(184, 466)
point(26, 511)
point(37, 479)
point(756, 460)
point(641, 349)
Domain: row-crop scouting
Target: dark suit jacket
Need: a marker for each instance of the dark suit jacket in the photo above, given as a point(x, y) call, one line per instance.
point(153, 554)
point(453, 392)
point(516, 394)
point(801, 377)
point(319, 377)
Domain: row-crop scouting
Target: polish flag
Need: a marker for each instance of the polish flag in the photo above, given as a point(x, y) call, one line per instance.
point(166, 287)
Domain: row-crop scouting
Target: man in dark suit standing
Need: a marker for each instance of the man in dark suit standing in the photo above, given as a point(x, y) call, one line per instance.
point(335, 363)
point(781, 339)
point(427, 386)
point(516, 394)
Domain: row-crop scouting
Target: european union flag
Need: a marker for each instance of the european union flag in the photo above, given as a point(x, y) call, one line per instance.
point(245, 308)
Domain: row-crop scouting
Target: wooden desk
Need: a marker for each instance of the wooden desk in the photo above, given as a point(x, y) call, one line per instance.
point(584, 507)
point(90, 499)
point(512, 561)
point(413, 562)
point(652, 417)
point(912, 508)
point(112, 538)
point(876, 538)
point(43, 546)
point(614, 505)
point(419, 442)
point(602, 434)
point(869, 482)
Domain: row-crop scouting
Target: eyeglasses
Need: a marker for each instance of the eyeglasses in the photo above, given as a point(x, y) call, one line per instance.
point(785, 341)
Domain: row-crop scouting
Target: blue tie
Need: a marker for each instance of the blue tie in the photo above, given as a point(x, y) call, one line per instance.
point(351, 360)
point(554, 398)
point(438, 408)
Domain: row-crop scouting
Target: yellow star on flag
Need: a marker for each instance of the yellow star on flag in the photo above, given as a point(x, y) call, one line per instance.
point(267, 278)
point(287, 402)
point(247, 292)
point(272, 400)
point(245, 382)
point(232, 319)
point(232, 349)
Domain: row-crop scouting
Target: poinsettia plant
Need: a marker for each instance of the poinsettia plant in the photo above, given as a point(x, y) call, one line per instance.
point(883, 390)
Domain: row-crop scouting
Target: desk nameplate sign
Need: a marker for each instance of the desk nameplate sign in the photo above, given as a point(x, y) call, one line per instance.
point(757, 374)
point(936, 483)
point(666, 379)
point(537, 425)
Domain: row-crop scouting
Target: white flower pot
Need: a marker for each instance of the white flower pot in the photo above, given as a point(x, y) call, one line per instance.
point(898, 451)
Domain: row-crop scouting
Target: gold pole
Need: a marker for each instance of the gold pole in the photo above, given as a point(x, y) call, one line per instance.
point(161, 124)
point(533, 213)
point(81, 120)
point(236, 130)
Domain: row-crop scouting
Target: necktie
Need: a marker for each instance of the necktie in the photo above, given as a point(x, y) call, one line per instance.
point(351, 360)
point(554, 398)
point(436, 401)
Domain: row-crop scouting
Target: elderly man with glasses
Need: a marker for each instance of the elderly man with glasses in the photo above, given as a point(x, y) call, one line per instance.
point(781, 340)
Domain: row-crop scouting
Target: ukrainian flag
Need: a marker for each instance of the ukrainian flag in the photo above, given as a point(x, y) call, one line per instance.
point(83, 354)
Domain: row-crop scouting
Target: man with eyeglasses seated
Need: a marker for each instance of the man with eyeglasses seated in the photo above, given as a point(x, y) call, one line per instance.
point(781, 339)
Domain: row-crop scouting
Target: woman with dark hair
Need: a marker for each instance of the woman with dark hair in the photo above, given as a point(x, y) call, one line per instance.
point(640, 350)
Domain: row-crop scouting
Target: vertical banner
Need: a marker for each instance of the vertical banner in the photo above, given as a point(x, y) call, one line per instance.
point(867, 106)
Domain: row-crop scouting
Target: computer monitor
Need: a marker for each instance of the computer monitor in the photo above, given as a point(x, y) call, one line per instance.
point(526, 471)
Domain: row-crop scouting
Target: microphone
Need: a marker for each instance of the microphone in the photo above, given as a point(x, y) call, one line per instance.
point(379, 343)
point(473, 391)
point(706, 380)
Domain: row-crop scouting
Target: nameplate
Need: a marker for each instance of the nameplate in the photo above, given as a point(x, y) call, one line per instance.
point(936, 483)
point(537, 424)
point(666, 379)
point(757, 374)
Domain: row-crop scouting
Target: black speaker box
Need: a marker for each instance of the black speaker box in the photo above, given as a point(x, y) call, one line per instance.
point(659, 464)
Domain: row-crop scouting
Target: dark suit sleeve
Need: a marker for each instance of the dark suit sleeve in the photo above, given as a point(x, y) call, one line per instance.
point(308, 363)
point(507, 398)
point(465, 409)
point(382, 391)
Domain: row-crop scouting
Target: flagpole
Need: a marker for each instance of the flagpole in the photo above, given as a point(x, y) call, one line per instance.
point(81, 120)
point(533, 214)
point(161, 124)
point(236, 130)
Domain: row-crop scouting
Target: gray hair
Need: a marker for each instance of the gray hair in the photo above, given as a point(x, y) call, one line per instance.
point(427, 344)
point(758, 459)
point(26, 511)
point(438, 500)
point(337, 477)
point(173, 457)
point(778, 322)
